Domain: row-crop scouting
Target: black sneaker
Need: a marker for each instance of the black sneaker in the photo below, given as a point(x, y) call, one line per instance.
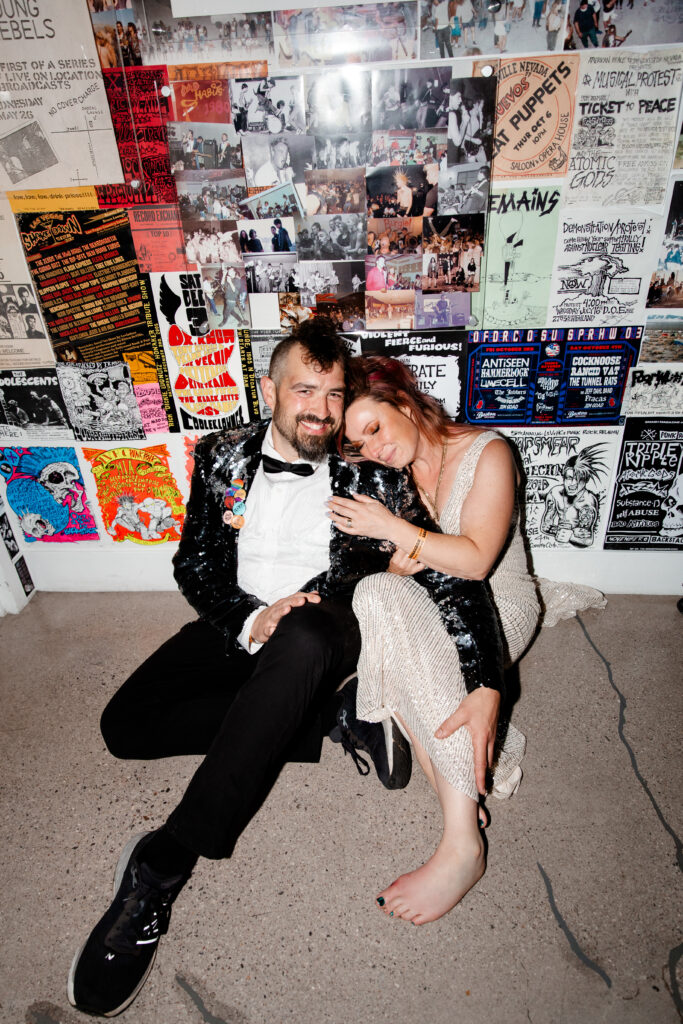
point(111, 967)
point(390, 753)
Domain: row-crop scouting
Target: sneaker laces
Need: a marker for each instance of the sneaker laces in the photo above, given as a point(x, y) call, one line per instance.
point(349, 747)
point(144, 917)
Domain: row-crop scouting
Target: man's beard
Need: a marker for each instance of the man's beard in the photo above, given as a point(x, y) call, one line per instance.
point(307, 446)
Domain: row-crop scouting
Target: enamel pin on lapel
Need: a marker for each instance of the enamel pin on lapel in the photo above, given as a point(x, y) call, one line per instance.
point(235, 505)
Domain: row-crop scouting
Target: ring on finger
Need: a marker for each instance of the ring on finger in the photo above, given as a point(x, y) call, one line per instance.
point(348, 521)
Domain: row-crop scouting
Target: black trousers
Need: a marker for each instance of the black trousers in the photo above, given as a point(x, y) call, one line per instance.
point(248, 714)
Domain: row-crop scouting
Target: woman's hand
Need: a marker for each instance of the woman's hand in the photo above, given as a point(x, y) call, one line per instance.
point(478, 712)
point(362, 516)
point(401, 565)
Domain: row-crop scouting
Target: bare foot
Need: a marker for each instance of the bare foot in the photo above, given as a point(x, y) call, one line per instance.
point(432, 890)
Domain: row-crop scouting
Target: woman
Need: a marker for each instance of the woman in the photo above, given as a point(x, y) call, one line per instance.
point(467, 480)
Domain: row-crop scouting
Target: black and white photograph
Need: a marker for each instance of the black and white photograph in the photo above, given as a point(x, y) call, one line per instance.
point(209, 196)
point(337, 191)
point(276, 159)
point(391, 273)
point(275, 273)
point(32, 406)
point(25, 151)
point(340, 35)
point(406, 146)
point(442, 309)
point(215, 244)
point(316, 277)
point(195, 146)
point(332, 237)
point(401, 191)
point(100, 401)
point(470, 27)
point(19, 315)
point(270, 105)
point(229, 37)
point(397, 236)
point(464, 189)
point(410, 98)
point(390, 310)
point(281, 201)
point(225, 296)
point(338, 101)
point(351, 149)
point(470, 120)
point(264, 237)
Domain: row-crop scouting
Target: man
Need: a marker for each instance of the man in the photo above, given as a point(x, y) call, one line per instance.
point(571, 510)
point(251, 683)
point(31, 329)
point(281, 239)
point(586, 23)
point(376, 279)
point(278, 168)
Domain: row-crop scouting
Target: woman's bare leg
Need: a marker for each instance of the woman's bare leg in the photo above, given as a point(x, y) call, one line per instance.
point(454, 868)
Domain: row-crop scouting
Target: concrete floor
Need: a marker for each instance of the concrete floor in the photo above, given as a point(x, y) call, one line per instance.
point(576, 920)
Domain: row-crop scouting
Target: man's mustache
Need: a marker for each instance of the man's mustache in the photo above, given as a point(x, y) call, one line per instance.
point(327, 422)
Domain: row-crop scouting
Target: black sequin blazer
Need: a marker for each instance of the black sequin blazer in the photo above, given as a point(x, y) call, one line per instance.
point(205, 565)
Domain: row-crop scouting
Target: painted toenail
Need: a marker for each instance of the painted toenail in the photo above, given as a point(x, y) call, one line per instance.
point(380, 900)
point(391, 913)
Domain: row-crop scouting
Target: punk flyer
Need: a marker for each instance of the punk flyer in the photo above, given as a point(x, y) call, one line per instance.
point(259, 345)
point(522, 232)
point(437, 359)
point(52, 99)
point(208, 380)
point(625, 131)
point(567, 474)
point(534, 116)
point(140, 107)
point(603, 263)
point(23, 338)
point(101, 401)
point(548, 375)
point(45, 490)
point(655, 389)
point(139, 498)
point(32, 406)
point(647, 502)
point(158, 238)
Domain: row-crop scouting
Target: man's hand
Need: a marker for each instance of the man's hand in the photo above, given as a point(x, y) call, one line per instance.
point(479, 714)
point(402, 565)
point(265, 623)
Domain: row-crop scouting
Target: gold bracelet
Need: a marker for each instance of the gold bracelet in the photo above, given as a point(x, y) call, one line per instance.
point(418, 543)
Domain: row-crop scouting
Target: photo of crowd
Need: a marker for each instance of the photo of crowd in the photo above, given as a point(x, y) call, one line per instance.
point(390, 310)
point(338, 191)
point(281, 201)
point(346, 311)
point(168, 40)
point(196, 147)
point(410, 98)
point(400, 236)
point(409, 191)
point(271, 105)
point(215, 245)
point(395, 148)
point(457, 28)
point(337, 237)
point(209, 196)
point(336, 35)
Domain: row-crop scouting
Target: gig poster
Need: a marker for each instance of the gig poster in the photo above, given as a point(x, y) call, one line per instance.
point(520, 245)
point(603, 262)
point(32, 406)
point(566, 475)
point(23, 338)
point(207, 374)
point(647, 500)
point(52, 100)
point(101, 402)
point(258, 347)
point(534, 116)
point(625, 131)
point(549, 375)
point(140, 107)
point(44, 488)
point(437, 359)
point(138, 495)
point(655, 389)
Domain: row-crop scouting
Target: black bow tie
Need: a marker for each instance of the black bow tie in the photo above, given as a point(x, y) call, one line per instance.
point(271, 465)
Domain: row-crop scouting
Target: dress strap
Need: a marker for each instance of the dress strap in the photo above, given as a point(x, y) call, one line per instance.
point(464, 478)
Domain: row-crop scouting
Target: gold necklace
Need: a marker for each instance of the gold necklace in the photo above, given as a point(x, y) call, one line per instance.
point(433, 501)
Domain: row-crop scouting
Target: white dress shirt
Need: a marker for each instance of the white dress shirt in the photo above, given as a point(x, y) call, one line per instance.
point(285, 540)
